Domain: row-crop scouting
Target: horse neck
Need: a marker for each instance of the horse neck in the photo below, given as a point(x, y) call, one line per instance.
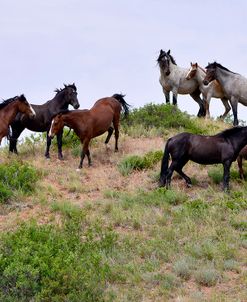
point(59, 102)
point(9, 112)
point(222, 75)
point(200, 74)
point(240, 140)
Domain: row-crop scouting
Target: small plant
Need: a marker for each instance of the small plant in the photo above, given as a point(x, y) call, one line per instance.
point(207, 276)
point(136, 162)
point(182, 269)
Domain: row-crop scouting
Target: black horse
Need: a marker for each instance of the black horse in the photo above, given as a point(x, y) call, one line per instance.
point(222, 148)
point(44, 114)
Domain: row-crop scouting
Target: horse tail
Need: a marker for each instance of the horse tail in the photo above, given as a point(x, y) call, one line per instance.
point(124, 104)
point(164, 164)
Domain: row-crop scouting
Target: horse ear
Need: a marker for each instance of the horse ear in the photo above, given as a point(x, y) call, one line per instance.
point(65, 85)
point(22, 98)
point(168, 51)
point(161, 51)
point(191, 63)
point(196, 65)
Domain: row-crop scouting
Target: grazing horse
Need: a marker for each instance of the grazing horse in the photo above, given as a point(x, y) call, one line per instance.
point(44, 114)
point(222, 148)
point(8, 110)
point(233, 84)
point(173, 78)
point(214, 89)
point(242, 155)
point(87, 124)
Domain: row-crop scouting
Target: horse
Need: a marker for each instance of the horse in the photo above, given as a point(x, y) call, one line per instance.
point(214, 89)
point(173, 78)
point(223, 148)
point(44, 114)
point(8, 110)
point(233, 84)
point(87, 124)
point(242, 155)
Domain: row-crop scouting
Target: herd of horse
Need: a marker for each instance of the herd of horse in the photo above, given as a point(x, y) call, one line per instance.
point(215, 81)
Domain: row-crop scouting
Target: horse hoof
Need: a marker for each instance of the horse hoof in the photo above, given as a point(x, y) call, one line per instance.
point(189, 185)
point(78, 169)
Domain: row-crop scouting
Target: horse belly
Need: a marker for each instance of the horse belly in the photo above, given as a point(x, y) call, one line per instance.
point(187, 87)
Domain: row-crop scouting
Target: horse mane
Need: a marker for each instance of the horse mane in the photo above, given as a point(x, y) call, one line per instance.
point(230, 132)
point(57, 90)
point(7, 102)
point(125, 105)
point(172, 59)
point(201, 68)
point(215, 64)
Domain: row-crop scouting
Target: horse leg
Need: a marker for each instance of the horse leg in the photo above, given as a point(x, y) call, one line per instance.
point(227, 107)
point(183, 175)
point(173, 166)
point(110, 131)
point(234, 103)
point(59, 144)
point(89, 158)
point(48, 144)
point(226, 176)
point(174, 96)
point(196, 96)
point(240, 166)
point(116, 132)
point(85, 151)
point(167, 96)
point(16, 132)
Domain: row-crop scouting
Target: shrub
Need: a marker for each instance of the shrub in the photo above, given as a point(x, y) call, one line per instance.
point(16, 177)
point(207, 276)
point(47, 263)
point(136, 162)
point(161, 116)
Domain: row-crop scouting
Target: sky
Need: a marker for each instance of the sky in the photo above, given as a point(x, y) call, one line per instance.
point(111, 46)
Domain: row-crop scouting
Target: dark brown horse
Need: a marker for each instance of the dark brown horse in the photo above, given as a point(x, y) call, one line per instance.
point(87, 124)
point(222, 148)
point(44, 114)
point(242, 155)
point(8, 110)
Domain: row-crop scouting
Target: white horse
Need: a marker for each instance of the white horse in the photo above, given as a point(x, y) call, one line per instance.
point(233, 84)
point(173, 78)
point(214, 89)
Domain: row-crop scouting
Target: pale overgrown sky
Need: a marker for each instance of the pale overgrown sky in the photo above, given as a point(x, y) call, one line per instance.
point(109, 46)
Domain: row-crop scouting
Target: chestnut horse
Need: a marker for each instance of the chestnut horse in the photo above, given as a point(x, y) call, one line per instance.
point(242, 155)
point(8, 110)
point(87, 124)
point(223, 147)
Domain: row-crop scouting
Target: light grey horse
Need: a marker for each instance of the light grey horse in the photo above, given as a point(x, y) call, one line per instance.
point(233, 84)
point(212, 90)
point(173, 78)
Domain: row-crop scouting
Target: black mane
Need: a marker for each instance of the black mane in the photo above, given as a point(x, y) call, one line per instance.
point(215, 64)
point(172, 59)
point(230, 132)
point(66, 86)
point(7, 102)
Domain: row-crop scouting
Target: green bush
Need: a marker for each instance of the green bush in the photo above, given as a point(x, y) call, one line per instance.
point(161, 116)
point(16, 177)
point(48, 263)
point(136, 162)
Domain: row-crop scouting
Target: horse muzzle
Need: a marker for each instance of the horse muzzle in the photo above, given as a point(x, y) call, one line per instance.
point(167, 73)
point(205, 82)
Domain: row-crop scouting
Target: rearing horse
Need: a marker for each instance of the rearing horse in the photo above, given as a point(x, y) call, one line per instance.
point(8, 110)
point(87, 124)
point(44, 114)
point(173, 78)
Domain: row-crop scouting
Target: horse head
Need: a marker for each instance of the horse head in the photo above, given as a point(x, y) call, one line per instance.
point(24, 106)
point(56, 125)
point(192, 71)
point(210, 73)
point(71, 94)
point(164, 61)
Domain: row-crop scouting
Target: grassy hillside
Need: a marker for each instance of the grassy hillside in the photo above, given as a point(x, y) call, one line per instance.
point(108, 233)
